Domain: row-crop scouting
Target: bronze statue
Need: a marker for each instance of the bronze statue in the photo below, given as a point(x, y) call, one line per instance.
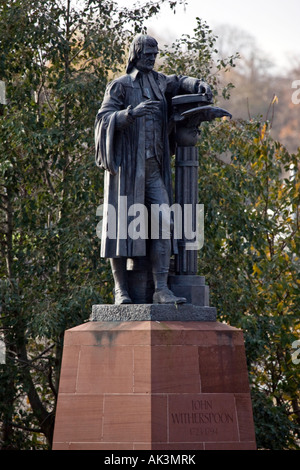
point(132, 133)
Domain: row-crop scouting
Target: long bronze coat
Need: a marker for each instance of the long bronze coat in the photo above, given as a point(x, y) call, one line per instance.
point(120, 151)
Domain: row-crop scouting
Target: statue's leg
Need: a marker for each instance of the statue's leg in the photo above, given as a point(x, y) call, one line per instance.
point(160, 238)
point(118, 267)
point(160, 253)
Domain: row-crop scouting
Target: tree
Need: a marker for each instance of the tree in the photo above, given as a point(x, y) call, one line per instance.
point(259, 90)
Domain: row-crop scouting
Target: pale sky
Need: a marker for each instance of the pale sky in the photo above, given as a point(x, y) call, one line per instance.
point(274, 24)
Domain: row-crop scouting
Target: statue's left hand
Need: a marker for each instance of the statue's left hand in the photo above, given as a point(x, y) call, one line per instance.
point(204, 89)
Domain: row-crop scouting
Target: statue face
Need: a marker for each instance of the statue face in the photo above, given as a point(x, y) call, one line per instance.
point(146, 60)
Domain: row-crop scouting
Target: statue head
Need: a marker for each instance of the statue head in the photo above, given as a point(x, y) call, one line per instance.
point(142, 53)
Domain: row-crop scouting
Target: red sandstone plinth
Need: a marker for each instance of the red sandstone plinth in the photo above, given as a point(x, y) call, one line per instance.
point(154, 385)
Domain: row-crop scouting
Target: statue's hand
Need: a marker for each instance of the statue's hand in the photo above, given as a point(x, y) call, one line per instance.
point(204, 89)
point(145, 107)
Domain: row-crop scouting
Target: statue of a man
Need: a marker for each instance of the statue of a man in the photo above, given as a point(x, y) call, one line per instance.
point(132, 146)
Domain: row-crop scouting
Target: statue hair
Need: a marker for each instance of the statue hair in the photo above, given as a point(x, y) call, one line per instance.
point(137, 47)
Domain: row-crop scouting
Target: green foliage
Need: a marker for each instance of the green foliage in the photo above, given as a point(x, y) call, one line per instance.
point(197, 56)
point(274, 429)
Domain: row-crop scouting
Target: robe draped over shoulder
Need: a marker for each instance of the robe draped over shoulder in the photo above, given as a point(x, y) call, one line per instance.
point(120, 151)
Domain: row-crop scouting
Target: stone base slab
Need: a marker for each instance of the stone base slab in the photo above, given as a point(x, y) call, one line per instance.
point(152, 312)
point(192, 287)
point(155, 386)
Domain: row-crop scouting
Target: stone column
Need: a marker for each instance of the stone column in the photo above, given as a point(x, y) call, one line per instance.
point(189, 112)
point(186, 194)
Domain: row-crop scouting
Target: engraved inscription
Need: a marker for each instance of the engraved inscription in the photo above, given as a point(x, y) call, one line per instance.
point(197, 418)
